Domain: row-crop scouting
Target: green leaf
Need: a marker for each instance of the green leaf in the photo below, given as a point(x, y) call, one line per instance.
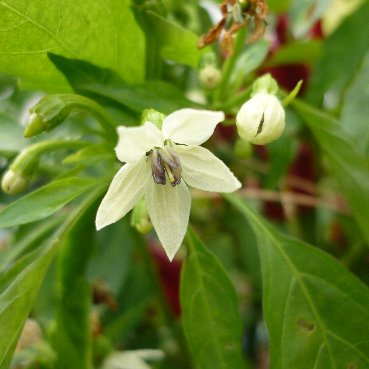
point(19, 285)
point(175, 43)
point(340, 62)
point(316, 311)
point(348, 164)
point(249, 60)
point(211, 318)
point(44, 201)
point(159, 95)
point(79, 72)
point(355, 112)
point(73, 337)
point(297, 52)
point(11, 138)
point(103, 85)
point(30, 240)
point(93, 31)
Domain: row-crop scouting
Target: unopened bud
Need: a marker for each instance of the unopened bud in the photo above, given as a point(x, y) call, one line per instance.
point(209, 74)
point(153, 116)
point(48, 113)
point(140, 218)
point(209, 77)
point(13, 182)
point(261, 119)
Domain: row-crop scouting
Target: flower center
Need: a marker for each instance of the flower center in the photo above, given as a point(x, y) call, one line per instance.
point(165, 163)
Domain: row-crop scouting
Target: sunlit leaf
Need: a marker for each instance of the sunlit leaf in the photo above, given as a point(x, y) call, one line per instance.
point(211, 319)
point(94, 31)
point(316, 311)
point(175, 43)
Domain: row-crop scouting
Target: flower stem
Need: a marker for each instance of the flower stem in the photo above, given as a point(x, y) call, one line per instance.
point(28, 158)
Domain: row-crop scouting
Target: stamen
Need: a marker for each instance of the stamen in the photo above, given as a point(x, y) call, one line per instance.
point(158, 173)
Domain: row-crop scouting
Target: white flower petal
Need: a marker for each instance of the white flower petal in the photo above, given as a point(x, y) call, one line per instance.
point(126, 189)
point(169, 210)
point(134, 142)
point(191, 126)
point(201, 169)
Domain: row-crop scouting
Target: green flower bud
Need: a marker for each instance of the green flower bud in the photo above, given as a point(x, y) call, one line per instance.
point(261, 119)
point(52, 110)
point(210, 77)
point(13, 182)
point(153, 116)
point(140, 218)
point(48, 113)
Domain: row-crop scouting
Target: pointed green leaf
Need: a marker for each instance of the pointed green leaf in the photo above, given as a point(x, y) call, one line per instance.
point(20, 284)
point(347, 163)
point(45, 201)
point(91, 30)
point(317, 312)
point(211, 318)
point(72, 340)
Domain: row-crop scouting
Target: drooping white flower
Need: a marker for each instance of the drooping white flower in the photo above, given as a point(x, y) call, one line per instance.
point(159, 164)
point(261, 119)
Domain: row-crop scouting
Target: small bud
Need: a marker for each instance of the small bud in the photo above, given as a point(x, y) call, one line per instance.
point(48, 113)
point(209, 77)
point(261, 119)
point(140, 218)
point(153, 116)
point(13, 182)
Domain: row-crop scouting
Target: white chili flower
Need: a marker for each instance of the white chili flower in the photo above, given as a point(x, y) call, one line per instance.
point(261, 119)
point(156, 162)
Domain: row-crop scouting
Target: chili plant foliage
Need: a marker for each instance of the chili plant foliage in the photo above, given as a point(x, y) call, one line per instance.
point(184, 184)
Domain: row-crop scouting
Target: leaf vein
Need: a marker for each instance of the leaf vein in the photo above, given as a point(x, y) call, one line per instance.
point(40, 26)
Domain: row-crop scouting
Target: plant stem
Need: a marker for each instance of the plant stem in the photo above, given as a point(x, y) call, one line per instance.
point(229, 64)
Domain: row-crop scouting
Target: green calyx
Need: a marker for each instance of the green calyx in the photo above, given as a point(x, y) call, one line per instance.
point(153, 116)
point(265, 83)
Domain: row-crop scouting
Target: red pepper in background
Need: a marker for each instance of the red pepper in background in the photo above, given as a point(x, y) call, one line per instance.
point(169, 273)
